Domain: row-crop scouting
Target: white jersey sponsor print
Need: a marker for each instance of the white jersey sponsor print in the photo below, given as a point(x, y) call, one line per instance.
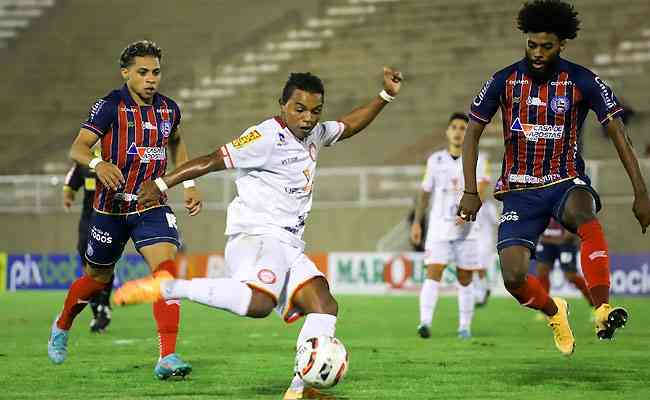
point(275, 179)
point(444, 180)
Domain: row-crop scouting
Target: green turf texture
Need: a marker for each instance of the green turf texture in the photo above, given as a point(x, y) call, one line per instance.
point(511, 356)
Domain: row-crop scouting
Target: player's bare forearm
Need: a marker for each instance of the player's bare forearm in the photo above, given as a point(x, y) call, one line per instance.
point(421, 206)
point(470, 154)
point(195, 168)
point(616, 131)
point(361, 117)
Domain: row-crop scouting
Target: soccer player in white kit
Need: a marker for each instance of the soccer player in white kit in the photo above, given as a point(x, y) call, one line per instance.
point(449, 239)
point(276, 162)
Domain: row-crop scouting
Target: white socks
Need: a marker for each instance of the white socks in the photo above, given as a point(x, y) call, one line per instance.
point(428, 301)
point(226, 294)
point(465, 307)
point(480, 288)
point(317, 325)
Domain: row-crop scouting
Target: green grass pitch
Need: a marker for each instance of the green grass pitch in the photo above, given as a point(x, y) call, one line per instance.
point(511, 356)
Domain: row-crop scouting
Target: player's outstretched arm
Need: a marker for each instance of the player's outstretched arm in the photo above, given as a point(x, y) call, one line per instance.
point(150, 192)
point(470, 203)
point(81, 152)
point(360, 117)
point(641, 206)
point(191, 195)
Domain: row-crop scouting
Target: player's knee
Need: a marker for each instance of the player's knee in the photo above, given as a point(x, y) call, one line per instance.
point(514, 279)
point(261, 305)
point(104, 275)
point(464, 277)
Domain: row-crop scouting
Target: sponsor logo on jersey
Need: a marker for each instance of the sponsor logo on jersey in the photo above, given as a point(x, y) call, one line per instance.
point(579, 181)
point(166, 128)
point(282, 139)
point(605, 93)
point(510, 216)
point(147, 154)
point(534, 132)
point(149, 125)
point(520, 178)
point(560, 104)
point(535, 101)
point(246, 139)
point(518, 82)
point(128, 109)
point(481, 95)
point(290, 160)
point(562, 83)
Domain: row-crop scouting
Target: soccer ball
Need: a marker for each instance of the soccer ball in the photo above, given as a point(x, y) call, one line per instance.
point(321, 362)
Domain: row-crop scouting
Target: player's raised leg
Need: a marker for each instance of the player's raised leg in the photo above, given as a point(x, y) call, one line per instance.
point(579, 214)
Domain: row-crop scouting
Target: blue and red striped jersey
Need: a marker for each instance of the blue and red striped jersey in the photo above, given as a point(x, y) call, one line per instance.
point(542, 121)
point(134, 138)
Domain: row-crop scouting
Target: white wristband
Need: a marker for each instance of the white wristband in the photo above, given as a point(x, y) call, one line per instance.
point(387, 98)
point(162, 186)
point(93, 163)
point(189, 183)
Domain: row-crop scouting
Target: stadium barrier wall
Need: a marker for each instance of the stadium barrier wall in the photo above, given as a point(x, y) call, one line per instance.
point(347, 272)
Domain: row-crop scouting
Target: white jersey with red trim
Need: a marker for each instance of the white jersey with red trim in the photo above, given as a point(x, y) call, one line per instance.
point(275, 178)
point(444, 180)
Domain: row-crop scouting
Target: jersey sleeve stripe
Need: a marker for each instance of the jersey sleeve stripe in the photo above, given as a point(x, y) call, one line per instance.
point(478, 117)
point(226, 157)
point(611, 115)
point(92, 128)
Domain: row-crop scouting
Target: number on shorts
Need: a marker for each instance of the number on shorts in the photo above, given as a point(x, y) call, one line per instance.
point(171, 220)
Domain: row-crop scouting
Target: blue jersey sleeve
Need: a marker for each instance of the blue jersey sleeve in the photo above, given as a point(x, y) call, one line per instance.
point(600, 97)
point(177, 117)
point(101, 116)
point(486, 103)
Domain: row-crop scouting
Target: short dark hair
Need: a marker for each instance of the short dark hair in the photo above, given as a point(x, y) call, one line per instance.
point(140, 48)
point(553, 16)
point(458, 115)
point(304, 81)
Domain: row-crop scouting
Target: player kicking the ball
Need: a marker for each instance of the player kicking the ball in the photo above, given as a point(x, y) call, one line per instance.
point(276, 161)
point(544, 101)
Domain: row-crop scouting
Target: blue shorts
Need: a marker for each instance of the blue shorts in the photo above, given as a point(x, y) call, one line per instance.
point(108, 234)
point(526, 213)
point(565, 253)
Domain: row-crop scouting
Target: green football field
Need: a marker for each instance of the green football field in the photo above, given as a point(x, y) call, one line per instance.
point(511, 356)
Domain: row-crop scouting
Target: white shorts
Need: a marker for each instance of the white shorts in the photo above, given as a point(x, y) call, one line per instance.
point(271, 266)
point(463, 253)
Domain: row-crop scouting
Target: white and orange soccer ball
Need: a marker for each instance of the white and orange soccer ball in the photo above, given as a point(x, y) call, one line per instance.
point(321, 362)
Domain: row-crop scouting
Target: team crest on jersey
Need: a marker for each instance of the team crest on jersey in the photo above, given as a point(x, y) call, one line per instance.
point(147, 154)
point(246, 139)
point(560, 104)
point(166, 128)
point(535, 132)
point(282, 139)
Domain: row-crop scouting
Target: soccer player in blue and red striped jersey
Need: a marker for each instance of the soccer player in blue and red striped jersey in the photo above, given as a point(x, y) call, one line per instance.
point(136, 125)
point(544, 100)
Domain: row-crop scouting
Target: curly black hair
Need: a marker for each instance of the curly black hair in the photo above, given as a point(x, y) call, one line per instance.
point(553, 16)
point(140, 48)
point(304, 81)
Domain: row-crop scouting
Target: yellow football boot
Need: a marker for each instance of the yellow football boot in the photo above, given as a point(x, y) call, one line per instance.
point(608, 319)
point(145, 290)
point(559, 323)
